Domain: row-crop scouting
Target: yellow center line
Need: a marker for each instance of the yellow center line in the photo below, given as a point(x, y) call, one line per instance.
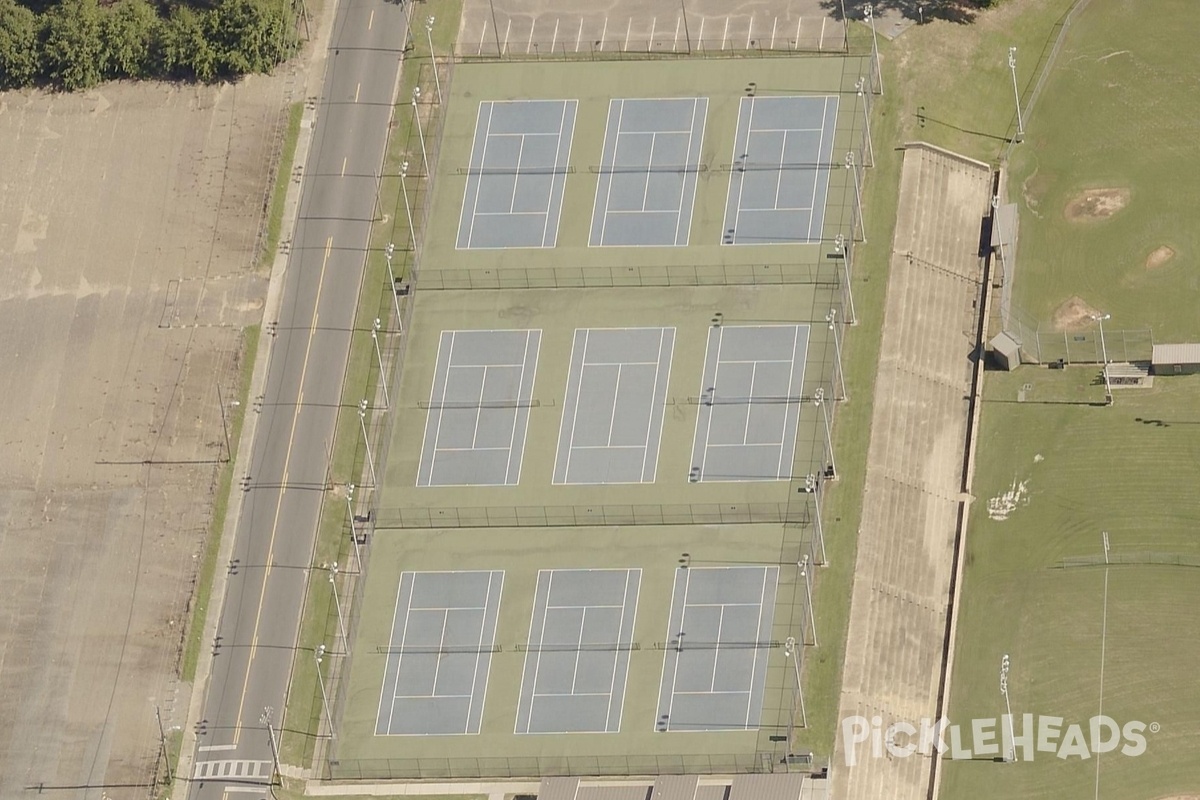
point(356, 91)
point(371, 21)
point(279, 504)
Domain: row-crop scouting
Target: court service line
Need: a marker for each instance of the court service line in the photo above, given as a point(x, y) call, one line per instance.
point(662, 336)
point(512, 439)
point(287, 460)
point(512, 201)
point(649, 169)
point(712, 685)
point(433, 692)
point(779, 171)
point(479, 407)
point(749, 404)
point(575, 411)
point(799, 22)
point(612, 419)
point(637, 594)
point(578, 650)
point(487, 603)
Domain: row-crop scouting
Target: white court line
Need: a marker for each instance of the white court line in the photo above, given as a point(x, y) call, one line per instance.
point(512, 201)
point(725, 605)
point(479, 407)
point(537, 664)
point(737, 214)
point(470, 449)
point(525, 665)
point(762, 612)
point(562, 122)
point(612, 418)
point(620, 638)
point(712, 684)
point(437, 432)
point(746, 444)
point(578, 650)
point(715, 381)
point(511, 214)
point(612, 174)
point(749, 404)
point(817, 172)
point(437, 668)
point(491, 108)
point(1103, 648)
point(431, 696)
point(558, 177)
point(662, 335)
point(400, 653)
point(649, 169)
point(619, 363)
point(752, 360)
point(682, 624)
point(767, 130)
point(586, 605)
point(779, 172)
point(714, 691)
point(575, 411)
point(573, 694)
point(532, 381)
point(609, 447)
point(512, 439)
point(779, 473)
point(821, 41)
point(487, 602)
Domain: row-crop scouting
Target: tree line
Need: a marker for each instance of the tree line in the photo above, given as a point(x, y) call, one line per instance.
point(75, 44)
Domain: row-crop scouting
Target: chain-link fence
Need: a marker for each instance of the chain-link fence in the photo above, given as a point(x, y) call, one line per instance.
point(1142, 557)
point(534, 767)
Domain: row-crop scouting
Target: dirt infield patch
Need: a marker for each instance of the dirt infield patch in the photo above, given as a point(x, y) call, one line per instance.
point(1074, 314)
point(129, 218)
point(1161, 255)
point(1093, 205)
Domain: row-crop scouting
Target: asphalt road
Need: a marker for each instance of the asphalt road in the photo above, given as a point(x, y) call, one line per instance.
point(275, 533)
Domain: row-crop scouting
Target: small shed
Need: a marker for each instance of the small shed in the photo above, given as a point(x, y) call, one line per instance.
point(1007, 351)
point(1175, 359)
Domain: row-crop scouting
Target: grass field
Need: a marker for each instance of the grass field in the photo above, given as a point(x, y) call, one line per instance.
point(1114, 115)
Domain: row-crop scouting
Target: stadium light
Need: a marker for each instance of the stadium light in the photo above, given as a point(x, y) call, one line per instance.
point(319, 654)
point(362, 419)
point(789, 652)
point(812, 618)
point(416, 98)
point(850, 165)
point(1108, 395)
point(831, 318)
point(860, 87)
point(870, 15)
point(353, 530)
point(433, 57)
point(812, 486)
point(333, 570)
point(1012, 67)
point(1012, 739)
point(387, 403)
point(841, 246)
point(819, 400)
point(387, 253)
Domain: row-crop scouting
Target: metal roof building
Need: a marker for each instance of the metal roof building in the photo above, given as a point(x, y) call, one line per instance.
point(1175, 359)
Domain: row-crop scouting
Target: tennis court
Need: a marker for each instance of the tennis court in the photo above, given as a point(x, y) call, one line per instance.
point(718, 640)
point(577, 659)
point(749, 403)
point(782, 157)
point(440, 654)
point(518, 168)
point(613, 413)
point(479, 408)
point(648, 171)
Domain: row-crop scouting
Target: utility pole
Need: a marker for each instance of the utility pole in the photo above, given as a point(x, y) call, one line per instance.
point(1012, 67)
point(433, 57)
point(265, 719)
point(870, 14)
point(831, 318)
point(387, 403)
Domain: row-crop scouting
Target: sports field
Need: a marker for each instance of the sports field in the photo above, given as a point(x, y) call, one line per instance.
point(1057, 470)
point(580, 524)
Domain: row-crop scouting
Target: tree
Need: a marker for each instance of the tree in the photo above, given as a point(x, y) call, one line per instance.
point(18, 45)
point(128, 30)
point(185, 51)
point(252, 35)
point(72, 45)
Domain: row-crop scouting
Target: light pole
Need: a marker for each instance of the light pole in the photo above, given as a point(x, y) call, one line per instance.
point(841, 246)
point(1012, 67)
point(337, 603)
point(831, 318)
point(866, 103)
point(790, 652)
point(362, 419)
point(433, 57)
point(318, 654)
point(353, 531)
point(870, 14)
point(862, 226)
point(1108, 395)
point(812, 618)
point(1012, 739)
point(812, 486)
point(416, 97)
point(265, 719)
point(819, 400)
point(1105, 535)
point(387, 253)
point(387, 403)
point(496, 29)
point(412, 229)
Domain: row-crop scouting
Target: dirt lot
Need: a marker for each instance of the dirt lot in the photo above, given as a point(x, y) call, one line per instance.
point(129, 218)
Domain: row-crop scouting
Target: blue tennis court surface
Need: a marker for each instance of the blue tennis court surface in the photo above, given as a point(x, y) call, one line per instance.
point(578, 654)
point(437, 666)
point(718, 641)
point(779, 178)
point(648, 171)
point(613, 412)
point(749, 403)
point(479, 408)
point(519, 164)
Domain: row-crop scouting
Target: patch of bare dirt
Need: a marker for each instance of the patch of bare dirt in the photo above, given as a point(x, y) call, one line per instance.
point(1073, 315)
point(1092, 205)
point(1161, 255)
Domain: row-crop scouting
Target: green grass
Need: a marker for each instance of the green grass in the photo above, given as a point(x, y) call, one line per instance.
point(348, 462)
point(212, 545)
point(1115, 113)
point(283, 175)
